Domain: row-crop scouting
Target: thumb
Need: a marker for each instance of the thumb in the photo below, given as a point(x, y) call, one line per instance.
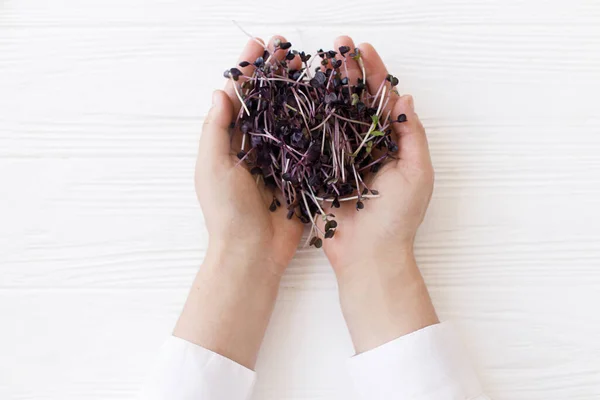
point(215, 140)
point(410, 134)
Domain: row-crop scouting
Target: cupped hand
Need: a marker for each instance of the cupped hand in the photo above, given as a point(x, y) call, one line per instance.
point(235, 204)
point(384, 230)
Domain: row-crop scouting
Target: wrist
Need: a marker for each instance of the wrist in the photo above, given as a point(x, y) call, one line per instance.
point(383, 298)
point(251, 263)
point(230, 303)
point(399, 263)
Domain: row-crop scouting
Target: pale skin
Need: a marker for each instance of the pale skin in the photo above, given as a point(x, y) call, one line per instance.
point(382, 292)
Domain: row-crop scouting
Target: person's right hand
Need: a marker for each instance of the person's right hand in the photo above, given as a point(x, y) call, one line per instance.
point(382, 292)
point(230, 304)
point(235, 204)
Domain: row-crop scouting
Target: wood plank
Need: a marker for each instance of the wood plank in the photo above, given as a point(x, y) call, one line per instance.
point(101, 106)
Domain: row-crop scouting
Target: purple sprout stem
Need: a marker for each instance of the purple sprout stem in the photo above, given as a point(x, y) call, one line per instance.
point(274, 160)
point(289, 192)
point(323, 141)
point(358, 135)
point(281, 79)
point(243, 158)
point(383, 157)
point(310, 233)
point(293, 150)
point(300, 104)
point(346, 142)
point(356, 178)
point(277, 180)
point(294, 194)
point(351, 120)
point(265, 135)
point(309, 213)
point(377, 94)
point(362, 67)
point(366, 138)
point(330, 79)
point(239, 96)
point(243, 141)
point(309, 102)
point(249, 35)
point(314, 198)
point(381, 101)
point(387, 121)
point(335, 162)
point(385, 104)
point(361, 181)
point(301, 112)
point(306, 70)
point(341, 153)
point(323, 123)
point(347, 76)
point(366, 196)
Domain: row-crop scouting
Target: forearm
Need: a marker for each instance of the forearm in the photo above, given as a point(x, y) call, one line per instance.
point(229, 306)
point(383, 299)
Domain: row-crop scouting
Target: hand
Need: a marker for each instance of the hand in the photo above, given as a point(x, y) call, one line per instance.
point(386, 226)
point(231, 301)
point(235, 204)
point(383, 295)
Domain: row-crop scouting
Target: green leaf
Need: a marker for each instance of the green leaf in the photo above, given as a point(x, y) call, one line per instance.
point(375, 119)
point(377, 133)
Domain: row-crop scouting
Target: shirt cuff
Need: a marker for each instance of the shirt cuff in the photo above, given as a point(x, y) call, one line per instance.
point(187, 371)
point(429, 364)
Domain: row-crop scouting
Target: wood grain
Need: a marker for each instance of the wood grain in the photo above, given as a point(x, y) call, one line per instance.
point(101, 105)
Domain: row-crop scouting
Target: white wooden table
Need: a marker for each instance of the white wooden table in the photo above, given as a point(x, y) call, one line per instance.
point(101, 104)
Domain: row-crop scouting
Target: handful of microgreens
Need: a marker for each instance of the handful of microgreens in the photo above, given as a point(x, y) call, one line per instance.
point(311, 133)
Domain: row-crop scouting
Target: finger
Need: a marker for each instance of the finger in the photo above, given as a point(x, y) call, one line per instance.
point(351, 70)
point(250, 53)
point(277, 53)
point(296, 63)
point(414, 148)
point(376, 74)
point(280, 54)
point(214, 143)
point(375, 69)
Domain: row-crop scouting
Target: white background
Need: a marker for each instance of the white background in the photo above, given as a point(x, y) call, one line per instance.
point(101, 105)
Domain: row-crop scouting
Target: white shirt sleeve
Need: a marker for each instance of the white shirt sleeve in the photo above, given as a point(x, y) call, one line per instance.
point(185, 371)
point(429, 364)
